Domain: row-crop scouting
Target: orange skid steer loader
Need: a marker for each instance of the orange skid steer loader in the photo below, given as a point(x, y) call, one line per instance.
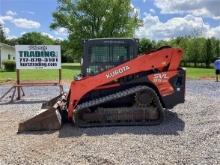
point(116, 87)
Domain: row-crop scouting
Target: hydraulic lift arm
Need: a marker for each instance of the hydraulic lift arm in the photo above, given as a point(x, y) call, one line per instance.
point(165, 60)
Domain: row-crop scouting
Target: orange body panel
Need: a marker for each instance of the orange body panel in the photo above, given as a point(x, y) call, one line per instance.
point(166, 60)
point(161, 81)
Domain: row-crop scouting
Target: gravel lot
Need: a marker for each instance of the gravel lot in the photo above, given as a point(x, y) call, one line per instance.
point(190, 135)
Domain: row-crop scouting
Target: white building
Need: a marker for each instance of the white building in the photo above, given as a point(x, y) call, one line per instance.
point(7, 52)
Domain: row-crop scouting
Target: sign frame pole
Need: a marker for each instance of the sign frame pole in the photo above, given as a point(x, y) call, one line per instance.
point(60, 76)
point(18, 83)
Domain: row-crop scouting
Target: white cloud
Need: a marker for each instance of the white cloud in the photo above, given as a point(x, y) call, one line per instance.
point(136, 11)
point(150, 20)
point(144, 1)
point(1, 21)
point(25, 23)
point(61, 31)
point(154, 29)
point(206, 8)
point(152, 11)
point(214, 32)
point(9, 12)
point(19, 22)
point(6, 30)
point(5, 18)
point(51, 36)
point(48, 35)
point(22, 33)
point(11, 37)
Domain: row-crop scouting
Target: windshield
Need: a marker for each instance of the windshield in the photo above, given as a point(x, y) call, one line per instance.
point(103, 57)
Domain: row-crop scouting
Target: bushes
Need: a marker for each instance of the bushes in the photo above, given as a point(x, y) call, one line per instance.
point(9, 65)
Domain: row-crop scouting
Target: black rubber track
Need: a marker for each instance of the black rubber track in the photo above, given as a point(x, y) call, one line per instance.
point(134, 90)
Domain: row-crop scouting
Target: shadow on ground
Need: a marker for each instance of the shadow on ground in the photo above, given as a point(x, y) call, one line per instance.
point(23, 102)
point(171, 126)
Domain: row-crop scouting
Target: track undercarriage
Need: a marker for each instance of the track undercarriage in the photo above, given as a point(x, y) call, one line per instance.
point(145, 109)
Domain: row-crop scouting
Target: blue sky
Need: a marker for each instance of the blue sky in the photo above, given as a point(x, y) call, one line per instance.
point(162, 19)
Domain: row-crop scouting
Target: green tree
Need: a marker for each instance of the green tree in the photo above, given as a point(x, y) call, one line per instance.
point(2, 34)
point(200, 47)
point(12, 41)
point(193, 51)
point(67, 52)
point(86, 19)
point(208, 55)
point(162, 43)
point(182, 42)
point(35, 38)
point(146, 45)
point(217, 48)
point(197, 50)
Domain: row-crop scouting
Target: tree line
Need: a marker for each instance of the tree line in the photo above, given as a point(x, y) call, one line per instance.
point(198, 51)
point(85, 19)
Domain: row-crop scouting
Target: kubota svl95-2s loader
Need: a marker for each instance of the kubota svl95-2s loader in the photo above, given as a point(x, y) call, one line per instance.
point(117, 86)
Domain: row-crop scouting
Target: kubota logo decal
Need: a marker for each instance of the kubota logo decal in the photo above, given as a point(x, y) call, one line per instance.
point(160, 77)
point(117, 71)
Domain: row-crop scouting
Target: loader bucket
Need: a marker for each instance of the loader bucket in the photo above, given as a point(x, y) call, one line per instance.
point(51, 102)
point(49, 119)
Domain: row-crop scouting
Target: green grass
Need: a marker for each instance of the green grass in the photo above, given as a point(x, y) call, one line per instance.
point(69, 70)
point(200, 73)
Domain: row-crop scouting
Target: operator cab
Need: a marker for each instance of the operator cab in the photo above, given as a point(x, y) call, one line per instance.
point(102, 54)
